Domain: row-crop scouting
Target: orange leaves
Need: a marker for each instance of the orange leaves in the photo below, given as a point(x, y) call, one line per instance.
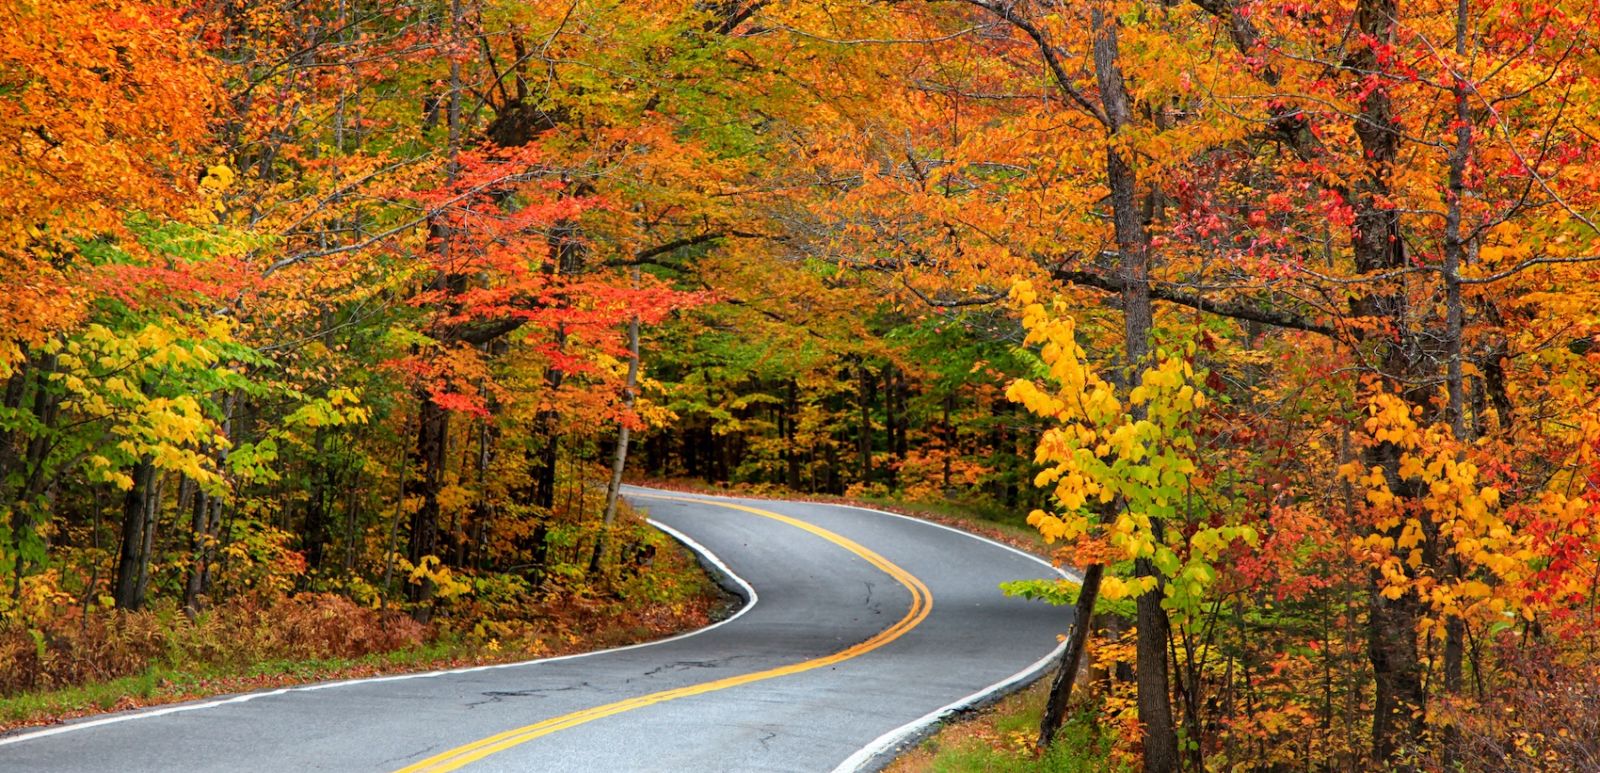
point(107, 100)
point(106, 105)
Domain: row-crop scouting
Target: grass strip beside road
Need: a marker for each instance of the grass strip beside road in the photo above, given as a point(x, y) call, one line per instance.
point(1000, 739)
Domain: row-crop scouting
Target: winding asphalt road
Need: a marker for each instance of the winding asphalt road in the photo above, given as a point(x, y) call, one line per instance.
point(860, 629)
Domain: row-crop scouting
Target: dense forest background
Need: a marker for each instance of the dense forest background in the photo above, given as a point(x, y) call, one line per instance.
point(1280, 317)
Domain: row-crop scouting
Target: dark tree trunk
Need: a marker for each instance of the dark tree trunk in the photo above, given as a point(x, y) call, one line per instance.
point(691, 453)
point(949, 439)
point(547, 430)
point(46, 407)
point(830, 461)
point(791, 451)
point(1055, 710)
point(1377, 246)
point(545, 460)
point(892, 421)
point(1397, 669)
point(424, 483)
point(315, 537)
point(864, 391)
point(205, 515)
point(1133, 243)
point(133, 558)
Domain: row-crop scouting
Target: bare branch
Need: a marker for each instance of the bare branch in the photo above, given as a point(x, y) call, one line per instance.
point(1234, 309)
point(1046, 49)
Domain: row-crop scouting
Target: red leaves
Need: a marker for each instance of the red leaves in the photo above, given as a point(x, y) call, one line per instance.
point(460, 403)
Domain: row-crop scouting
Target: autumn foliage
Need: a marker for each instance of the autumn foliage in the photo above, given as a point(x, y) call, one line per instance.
point(1280, 314)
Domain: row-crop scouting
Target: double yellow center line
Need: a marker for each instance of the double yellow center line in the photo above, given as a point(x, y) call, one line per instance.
point(921, 604)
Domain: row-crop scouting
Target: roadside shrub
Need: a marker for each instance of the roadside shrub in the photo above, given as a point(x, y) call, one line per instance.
point(78, 647)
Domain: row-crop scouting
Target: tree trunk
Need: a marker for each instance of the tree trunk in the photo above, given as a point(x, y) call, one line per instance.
point(894, 419)
point(132, 558)
point(949, 441)
point(620, 461)
point(792, 408)
point(428, 460)
point(1055, 710)
point(205, 513)
point(547, 429)
point(1154, 693)
point(1455, 249)
point(864, 438)
point(25, 515)
point(1377, 246)
point(151, 520)
point(315, 535)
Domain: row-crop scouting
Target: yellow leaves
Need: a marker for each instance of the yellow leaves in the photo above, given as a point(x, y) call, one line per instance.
point(1049, 526)
point(1113, 588)
point(1410, 534)
point(430, 570)
point(146, 386)
point(1125, 441)
point(1410, 466)
point(1098, 452)
point(1450, 512)
point(1475, 589)
point(340, 407)
point(455, 499)
point(217, 179)
point(1379, 497)
point(1391, 421)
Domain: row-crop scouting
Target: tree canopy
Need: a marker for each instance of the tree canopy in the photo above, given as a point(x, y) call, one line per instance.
point(1280, 316)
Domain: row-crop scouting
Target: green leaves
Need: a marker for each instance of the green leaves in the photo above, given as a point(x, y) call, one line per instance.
point(1063, 593)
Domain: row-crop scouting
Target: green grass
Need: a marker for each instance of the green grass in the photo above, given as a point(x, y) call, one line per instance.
point(1000, 740)
point(1077, 750)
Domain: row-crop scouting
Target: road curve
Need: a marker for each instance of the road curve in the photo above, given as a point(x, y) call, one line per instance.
point(860, 628)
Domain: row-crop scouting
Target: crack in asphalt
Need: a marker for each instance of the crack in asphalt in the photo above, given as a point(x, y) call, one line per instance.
point(413, 755)
point(495, 696)
point(877, 609)
point(688, 664)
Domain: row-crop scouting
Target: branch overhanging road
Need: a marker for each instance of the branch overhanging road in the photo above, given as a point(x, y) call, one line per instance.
point(861, 628)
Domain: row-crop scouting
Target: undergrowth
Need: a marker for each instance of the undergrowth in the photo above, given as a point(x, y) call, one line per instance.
point(85, 659)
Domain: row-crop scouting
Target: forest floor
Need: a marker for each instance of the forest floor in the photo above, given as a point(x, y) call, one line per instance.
point(218, 655)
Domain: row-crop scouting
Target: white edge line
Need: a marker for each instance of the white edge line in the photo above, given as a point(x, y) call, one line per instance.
point(879, 749)
point(700, 550)
point(876, 755)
